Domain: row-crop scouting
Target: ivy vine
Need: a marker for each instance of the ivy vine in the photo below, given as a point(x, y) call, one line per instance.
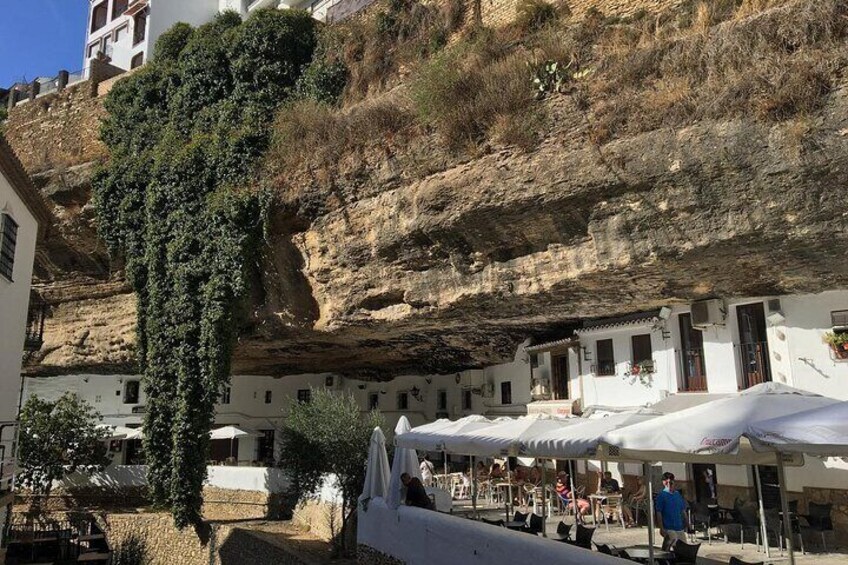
point(177, 202)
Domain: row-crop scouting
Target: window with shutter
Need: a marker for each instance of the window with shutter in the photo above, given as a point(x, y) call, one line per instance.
point(8, 240)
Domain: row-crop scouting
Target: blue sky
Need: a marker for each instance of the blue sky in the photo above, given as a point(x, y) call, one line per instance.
point(40, 37)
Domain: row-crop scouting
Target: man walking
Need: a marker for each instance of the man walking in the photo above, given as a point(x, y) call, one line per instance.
point(670, 508)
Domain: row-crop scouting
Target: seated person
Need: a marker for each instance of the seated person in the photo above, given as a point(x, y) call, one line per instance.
point(563, 490)
point(535, 475)
point(415, 493)
point(608, 484)
point(482, 471)
point(496, 472)
point(637, 500)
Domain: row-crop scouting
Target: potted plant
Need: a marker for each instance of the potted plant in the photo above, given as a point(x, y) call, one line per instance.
point(838, 342)
point(642, 371)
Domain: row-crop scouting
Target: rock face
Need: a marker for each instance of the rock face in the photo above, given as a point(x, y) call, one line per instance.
point(395, 274)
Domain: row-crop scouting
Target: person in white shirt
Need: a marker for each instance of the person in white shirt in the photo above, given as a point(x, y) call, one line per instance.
point(427, 469)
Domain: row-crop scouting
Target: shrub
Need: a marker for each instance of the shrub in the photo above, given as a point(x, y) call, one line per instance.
point(463, 92)
point(171, 43)
point(532, 15)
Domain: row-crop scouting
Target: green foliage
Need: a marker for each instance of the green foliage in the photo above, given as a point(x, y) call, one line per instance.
point(328, 436)
point(324, 81)
point(58, 438)
point(465, 91)
point(185, 134)
point(837, 339)
point(171, 43)
point(532, 15)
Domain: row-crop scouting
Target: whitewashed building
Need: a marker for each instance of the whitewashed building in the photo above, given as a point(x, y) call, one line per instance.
point(124, 32)
point(23, 217)
point(681, 355)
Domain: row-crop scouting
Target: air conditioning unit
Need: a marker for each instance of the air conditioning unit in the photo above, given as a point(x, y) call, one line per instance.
point(488, 390)
point(707, 313)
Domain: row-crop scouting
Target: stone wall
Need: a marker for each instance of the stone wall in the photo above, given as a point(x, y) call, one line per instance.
point(57, 130)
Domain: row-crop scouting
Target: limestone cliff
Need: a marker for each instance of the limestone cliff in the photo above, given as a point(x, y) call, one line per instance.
point(393, 268)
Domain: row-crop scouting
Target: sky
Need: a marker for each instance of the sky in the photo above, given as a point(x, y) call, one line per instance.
point(41, 37)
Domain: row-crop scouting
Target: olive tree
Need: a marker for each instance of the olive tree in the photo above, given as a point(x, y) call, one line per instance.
point(328, 436)
point(58, 438)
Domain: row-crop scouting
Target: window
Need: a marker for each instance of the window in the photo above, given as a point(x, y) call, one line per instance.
point(373, 401)
point(98, 399)
point(226, 392)
point(99, 16)
point(606, 358)
point(267, 397)
point(8, 240)
point(121, 33)
point(107, 45)
point(265, 447)
point(506, 392)
point(641, 346)
point(442, 400)
point(131, 390)
point(304, 396)
point(534, 360)
point(139, 27)
point(403, 401)
point(137, 61)
point(93, 49)
point(466, 399)
point(119, 7)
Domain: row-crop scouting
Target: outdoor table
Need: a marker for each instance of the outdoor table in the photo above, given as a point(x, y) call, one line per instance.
point(643, 552)
point(515, 525)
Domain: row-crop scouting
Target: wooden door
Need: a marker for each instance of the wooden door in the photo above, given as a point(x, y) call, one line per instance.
point(692, 356)
point(753, 344)
point(559, 365)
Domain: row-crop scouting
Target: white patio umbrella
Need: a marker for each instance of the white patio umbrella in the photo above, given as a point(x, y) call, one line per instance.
point(432, 436)
point(405, 461)
point(504, 437)
point(820, 431)
point(377, 469)
point(714, 432)
point(231, 433)
point(122, 432)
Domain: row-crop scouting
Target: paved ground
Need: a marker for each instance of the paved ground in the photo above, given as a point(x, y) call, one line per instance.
point(717, 552)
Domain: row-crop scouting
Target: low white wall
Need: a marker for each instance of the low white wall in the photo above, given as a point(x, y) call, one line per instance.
point(257, 479)
point(417, 536)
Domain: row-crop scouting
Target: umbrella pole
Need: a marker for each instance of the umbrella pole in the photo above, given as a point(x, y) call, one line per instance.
point(544, 506)
point(474, 489)
point(763, 528)
point(784, 505)
point(509, 489)
point(578, 518)
point(650, 473)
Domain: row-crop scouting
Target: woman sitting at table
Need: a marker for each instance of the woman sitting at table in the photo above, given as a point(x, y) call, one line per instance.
point(637, 500)
point(563, 490)
point(482, 471)
point(496, 472)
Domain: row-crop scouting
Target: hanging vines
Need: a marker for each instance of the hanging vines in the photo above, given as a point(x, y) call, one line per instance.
point(176, 202)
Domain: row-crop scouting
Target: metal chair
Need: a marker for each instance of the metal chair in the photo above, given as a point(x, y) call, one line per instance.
point(536, 524)
point(562, 532)
point(685, 553)
point(492, 522)
point(819, 520)
point(612, 506)
point(583, 537)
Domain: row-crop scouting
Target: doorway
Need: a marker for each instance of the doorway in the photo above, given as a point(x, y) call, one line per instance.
point(692, 356)
point(559, 365)
point(706, 482)
point(753, 345)
point(770, 486)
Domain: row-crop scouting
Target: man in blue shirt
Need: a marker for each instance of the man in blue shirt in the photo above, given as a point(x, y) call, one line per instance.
point(670, 508)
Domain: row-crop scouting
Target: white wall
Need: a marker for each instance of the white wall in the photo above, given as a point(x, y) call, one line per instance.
point(14, 302)
point(416, 536)
point(258, 479)
point(621, 390)
point(165, 13)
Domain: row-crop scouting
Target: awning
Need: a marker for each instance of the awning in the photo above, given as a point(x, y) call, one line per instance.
point(713, 431)
point(558, 345)
point(820, 431)
point(506, 437)
point(636, 318)
point(231, 432)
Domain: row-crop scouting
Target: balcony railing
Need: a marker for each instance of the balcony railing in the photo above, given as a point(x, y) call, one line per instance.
point(754, 363)
point(35, 325)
